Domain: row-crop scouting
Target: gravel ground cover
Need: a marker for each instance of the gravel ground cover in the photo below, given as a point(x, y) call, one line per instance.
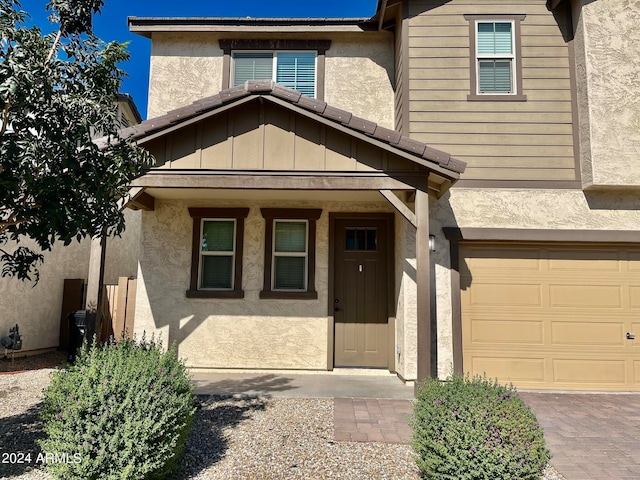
point(232, 438)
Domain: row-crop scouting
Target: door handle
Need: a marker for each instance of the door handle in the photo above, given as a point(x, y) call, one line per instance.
point(630, 336)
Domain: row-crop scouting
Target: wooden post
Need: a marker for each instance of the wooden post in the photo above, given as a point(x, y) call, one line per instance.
point(423, 280)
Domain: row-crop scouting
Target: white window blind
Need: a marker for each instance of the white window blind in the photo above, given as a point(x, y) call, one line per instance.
point(252, 66)
point(295, 70)
point(495, 54)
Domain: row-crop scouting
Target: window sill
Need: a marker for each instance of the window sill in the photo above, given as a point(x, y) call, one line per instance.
point(215, 294)
point(496, 98)
point(270, 294)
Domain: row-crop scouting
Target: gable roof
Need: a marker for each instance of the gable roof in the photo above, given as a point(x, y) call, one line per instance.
point(418, 152)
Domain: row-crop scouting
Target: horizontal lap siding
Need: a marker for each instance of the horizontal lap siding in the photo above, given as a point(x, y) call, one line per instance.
point(530, 140)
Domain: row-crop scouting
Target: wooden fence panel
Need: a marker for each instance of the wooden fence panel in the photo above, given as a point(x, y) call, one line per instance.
point(119, 308)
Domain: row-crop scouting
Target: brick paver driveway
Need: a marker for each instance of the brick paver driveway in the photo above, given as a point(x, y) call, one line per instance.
point(591, 436)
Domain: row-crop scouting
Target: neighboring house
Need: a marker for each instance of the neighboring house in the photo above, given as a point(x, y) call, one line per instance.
point(290, 229)
point(37, 309)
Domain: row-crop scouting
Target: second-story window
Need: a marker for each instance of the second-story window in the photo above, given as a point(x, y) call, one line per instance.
point(295, 70)
point(495, 57)
point(495, 54)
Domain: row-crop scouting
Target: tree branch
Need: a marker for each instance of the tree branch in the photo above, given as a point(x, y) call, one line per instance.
point(5, 118)
point(54, 47)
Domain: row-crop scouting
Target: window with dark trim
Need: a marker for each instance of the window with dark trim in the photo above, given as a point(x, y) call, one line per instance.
point(295, 70)
point(216, 252)
point(495, 57)
point(298, 64)
point(290, 253)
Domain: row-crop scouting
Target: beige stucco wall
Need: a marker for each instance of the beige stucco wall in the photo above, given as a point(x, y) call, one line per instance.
point(186, 67)
point(36, 309)
point(122, 252)
point(235, 333)
point(406, 304)
point(607, 62)
point(358, 77)
point(522, 209)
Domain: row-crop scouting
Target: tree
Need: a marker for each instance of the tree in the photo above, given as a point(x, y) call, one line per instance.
point(57, 92)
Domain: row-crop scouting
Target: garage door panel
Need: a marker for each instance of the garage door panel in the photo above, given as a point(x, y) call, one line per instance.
point(560, 324)
point(490, 332)
point(506, 294)
point(634, 261)
point(587, 334)
point(584, 260)
point(589, 371)
point(510, 369)
point(492, 260)
point(634, 295)
point(635, 330)
point(591, 296)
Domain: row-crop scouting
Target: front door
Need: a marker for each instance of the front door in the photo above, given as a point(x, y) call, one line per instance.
point(361, 293)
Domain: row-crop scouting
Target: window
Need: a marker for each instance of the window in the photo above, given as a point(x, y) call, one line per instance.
point(295, 70)
point(216, 257)
point(289, 270)
point(496, 71)
point(294, 63)
point(290, 254)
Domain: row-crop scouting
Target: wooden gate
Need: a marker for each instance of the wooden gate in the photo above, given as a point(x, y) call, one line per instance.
point(118, 310)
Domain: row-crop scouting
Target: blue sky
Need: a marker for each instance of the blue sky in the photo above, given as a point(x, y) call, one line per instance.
point(112, 24)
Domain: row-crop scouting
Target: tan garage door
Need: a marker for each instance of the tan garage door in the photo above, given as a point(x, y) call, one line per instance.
point(552, 316)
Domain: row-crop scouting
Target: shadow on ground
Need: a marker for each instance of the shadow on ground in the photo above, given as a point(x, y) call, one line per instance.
point(18, 441)
point(261, 385)
point(207, 443)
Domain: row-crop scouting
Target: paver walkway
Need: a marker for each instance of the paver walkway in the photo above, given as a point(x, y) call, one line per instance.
point(371, 420)
point(591, 436)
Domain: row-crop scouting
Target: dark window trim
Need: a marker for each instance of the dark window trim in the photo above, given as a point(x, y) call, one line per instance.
point(473, 96)
point(320, 46)
point(271, 214)
point(197, 214)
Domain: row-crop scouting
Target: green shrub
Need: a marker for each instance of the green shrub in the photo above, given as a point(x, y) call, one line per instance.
point(467, 429)
point(123, 410)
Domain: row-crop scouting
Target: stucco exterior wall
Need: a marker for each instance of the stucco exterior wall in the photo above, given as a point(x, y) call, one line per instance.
point(521, 209)
point(186, 67)
point(36, 309)
point(607, 62)
point(122, 252)
point(406, 353)
point(358, 77)
point(232, 333)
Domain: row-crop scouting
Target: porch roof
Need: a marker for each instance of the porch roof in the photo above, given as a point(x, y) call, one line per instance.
point(418, 152)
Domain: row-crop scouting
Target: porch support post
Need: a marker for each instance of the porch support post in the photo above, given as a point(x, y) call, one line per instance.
point(95, 278)
point(423, 280)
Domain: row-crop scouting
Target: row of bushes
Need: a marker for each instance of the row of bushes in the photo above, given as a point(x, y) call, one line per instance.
point(124, 410)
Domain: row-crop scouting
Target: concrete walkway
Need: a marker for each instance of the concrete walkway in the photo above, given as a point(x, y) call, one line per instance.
point(371, 384)
point(591, 436)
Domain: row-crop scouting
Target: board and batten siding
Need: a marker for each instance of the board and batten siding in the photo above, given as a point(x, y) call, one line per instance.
point(263, 136)
point(499, 140)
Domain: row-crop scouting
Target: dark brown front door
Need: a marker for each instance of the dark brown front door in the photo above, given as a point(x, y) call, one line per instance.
point(361, 293)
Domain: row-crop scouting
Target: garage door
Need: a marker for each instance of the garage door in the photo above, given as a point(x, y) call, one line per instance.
point(552, 316)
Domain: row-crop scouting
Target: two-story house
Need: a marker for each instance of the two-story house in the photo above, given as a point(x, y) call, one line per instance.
point(449, 185)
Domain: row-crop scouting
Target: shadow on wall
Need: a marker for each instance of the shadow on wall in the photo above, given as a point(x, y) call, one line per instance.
point(612, 201)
